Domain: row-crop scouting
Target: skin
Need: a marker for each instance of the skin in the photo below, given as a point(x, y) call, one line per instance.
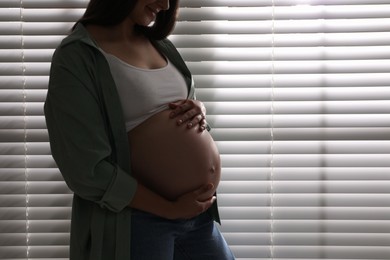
point(122, 41)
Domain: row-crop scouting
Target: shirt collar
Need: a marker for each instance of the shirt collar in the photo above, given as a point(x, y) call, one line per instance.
point(80, 33)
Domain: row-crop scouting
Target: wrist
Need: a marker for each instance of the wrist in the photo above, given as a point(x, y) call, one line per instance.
point(149, 201)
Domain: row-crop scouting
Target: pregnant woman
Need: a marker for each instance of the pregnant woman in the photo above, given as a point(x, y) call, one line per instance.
point(130, 139)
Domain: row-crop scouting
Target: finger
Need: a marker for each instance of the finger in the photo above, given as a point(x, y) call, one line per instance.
point(202, 122)
point(175, 104)
point(198, 120)
point(203, 125)
point(191, 104)
point(201, 207)
point(191, 111)
point(204, 189)
point(177, 107)
point(194, 118)
point(205, 205)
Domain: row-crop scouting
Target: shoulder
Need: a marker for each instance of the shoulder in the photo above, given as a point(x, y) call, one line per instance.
point(76, 47)
point(73, 53)
point(74, 64)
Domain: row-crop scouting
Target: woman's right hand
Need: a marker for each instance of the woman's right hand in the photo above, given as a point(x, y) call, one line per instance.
point(193, 203)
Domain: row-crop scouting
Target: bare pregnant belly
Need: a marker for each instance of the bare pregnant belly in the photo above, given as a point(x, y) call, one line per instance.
point(171, 159)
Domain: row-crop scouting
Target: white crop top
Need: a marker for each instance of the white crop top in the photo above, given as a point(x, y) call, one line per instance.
point(145, 92)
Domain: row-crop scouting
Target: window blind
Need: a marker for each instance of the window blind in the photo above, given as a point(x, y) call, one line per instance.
point(297, 93)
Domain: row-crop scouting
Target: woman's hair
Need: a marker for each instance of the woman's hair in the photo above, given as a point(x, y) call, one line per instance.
point(113, 12)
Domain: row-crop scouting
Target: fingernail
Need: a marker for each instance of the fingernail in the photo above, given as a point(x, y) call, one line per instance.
point(179, 122)
point(189, 125)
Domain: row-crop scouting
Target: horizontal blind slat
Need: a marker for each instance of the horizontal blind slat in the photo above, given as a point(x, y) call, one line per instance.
point(280, 27)
point(287, 67)
point(286, 54)
point(36, 226)
point(342, 94)
point(293, 80)
point(304, 147)
point(308, 107)
point(279, 40)
point(307, 160)
point(254, 3)
point(285, 12)
point(303, 200)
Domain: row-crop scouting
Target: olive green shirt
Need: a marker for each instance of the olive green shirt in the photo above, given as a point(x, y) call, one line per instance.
point(89, 143)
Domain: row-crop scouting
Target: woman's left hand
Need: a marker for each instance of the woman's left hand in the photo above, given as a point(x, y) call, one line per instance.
point(189, 111)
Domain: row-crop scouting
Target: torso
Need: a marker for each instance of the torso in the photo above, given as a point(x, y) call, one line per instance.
point(171, 159)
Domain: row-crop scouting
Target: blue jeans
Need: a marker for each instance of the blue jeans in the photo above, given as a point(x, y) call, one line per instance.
point(155, 238)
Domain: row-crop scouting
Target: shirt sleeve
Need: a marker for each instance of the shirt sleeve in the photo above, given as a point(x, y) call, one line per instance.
point(79, 139)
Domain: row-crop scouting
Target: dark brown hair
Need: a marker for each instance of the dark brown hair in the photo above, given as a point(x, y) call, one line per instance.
point(113, 12)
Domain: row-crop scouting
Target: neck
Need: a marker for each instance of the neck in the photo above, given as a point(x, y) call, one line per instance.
point(123, 32)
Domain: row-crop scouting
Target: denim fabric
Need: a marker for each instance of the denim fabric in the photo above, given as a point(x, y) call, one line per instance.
point(155, 238)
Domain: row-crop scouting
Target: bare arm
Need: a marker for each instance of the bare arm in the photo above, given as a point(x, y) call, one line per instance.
point(187, 206)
